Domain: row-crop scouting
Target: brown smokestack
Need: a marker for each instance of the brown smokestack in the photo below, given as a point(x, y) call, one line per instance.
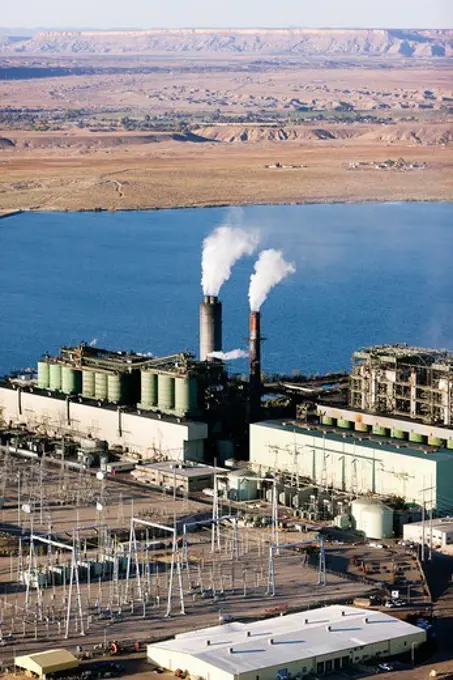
point(255, 366)
point(210, 327)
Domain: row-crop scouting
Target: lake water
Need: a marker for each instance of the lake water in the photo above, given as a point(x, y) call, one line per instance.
point(366, 274)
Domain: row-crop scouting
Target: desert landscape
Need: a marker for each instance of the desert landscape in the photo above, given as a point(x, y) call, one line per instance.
point(141, 120)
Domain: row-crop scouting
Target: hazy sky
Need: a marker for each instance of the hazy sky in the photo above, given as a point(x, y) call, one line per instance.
point(227, 13)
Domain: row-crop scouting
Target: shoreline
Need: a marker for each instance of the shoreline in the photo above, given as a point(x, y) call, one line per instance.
point(210, 206)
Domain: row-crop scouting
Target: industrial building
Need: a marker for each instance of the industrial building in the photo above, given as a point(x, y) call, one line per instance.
point(437, 533)
point(386, 426)
point(44, 663)
point(310, 642)
point(145, 433)
point(399, 380)
point(186, 477)
point(352, 462)
point(156, 407)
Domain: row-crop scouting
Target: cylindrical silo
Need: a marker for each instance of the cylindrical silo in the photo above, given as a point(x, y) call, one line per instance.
point(436, 441)
point(210, 327)
point(345, 424)
point(381, 431)
point(417, 438)
point(166, 392)
point(71, 380)
point(101, 386)
point(362, 427)
point(88, 384)
point(43, 374)
point(115, 392)
point(185, 394)
point(148, 389)
point(55, 376)
point(372, 518)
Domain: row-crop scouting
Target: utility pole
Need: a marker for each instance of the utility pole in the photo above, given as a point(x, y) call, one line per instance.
point(422, 557)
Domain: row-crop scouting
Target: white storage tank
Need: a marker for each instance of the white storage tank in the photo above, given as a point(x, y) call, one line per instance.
point(372, 518)
point(242, 485)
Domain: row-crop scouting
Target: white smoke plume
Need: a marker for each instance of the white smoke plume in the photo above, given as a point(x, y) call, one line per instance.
point(221, 250)
point(230, 356)
point(270, 269)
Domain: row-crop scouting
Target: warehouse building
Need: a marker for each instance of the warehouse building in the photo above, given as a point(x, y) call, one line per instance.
point(44, 663)
point(317, 641)
point(352, 462)
point(441, 531)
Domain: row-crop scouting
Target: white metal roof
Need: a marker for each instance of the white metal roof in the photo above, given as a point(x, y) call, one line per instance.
point(181, 469)
point(240, 647)
point(444, 525)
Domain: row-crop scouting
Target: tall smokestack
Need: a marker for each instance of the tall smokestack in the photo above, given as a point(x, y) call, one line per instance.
point(255, 366)
point(210, 327)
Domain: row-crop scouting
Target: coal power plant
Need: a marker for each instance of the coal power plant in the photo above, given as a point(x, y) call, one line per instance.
point(199, 410)
point(210, 327)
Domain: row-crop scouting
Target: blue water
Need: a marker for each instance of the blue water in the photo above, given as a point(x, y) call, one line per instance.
point(365, 274)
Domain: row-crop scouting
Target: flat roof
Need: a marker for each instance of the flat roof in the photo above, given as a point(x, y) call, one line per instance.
point(182, 469)
point(363, 439)
point(445, 525)
point(240, 647)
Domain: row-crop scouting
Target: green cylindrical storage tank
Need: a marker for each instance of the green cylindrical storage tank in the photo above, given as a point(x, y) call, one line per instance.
point(417, 438)
point(362, 427)
point(185, 394)
point(327, 420)
point(381, 431)
point(450, 444)
point(55, 377)
point(100, 386)
point(71, 380)
point(436, 441)
point(166, 392)
point(399, 434)
point(344, 424)
point(115, 391)
point(43, 375)
point(88, 388)
point(148, 389)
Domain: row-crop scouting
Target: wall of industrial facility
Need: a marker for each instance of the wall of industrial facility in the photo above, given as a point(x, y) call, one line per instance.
point(345, 463)
point(197, 667)
point(358, 419)
point(142, 434)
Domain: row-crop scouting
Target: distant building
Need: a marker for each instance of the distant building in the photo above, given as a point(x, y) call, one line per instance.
point(441, 530)
point(310, 642)
point(184, 476)
point(400, 380)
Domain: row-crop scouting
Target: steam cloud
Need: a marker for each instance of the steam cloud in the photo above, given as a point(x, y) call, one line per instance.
point(221, 250)
point(230, 356)
point(270, 269)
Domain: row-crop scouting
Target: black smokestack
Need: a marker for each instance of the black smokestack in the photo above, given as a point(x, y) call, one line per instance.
point(210, 327)
point(255, 366)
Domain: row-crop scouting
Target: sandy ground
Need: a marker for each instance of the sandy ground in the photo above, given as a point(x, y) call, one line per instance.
point(175, 174)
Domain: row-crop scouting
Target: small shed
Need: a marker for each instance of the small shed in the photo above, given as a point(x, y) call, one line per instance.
point(43, 663)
